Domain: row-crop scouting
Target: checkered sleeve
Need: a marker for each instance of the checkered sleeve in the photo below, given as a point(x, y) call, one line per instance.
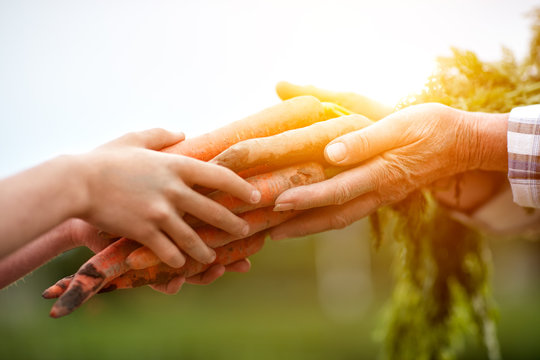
point(524, 155)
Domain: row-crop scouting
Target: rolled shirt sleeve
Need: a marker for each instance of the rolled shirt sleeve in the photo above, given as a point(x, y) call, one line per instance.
point(524, 155)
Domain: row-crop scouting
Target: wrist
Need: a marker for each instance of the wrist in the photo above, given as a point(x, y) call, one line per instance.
point(489, 138)
point(75, 184)
point(60, 239)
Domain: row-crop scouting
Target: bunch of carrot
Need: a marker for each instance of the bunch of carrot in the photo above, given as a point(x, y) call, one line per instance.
point(276, 149)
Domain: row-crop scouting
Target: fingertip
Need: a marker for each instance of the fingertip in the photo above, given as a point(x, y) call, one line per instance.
point(276, 236)
point(286, 196)
point(245, 229)
point(180, 135)
point(176, 261)
point(219, 270)
point(242, 229)
point(283, 206)
point(158, 138)
point(241, 266)
point(288, 200)
point(336, 153)
point(255, 196)
point(175, 285)
point(210, 256)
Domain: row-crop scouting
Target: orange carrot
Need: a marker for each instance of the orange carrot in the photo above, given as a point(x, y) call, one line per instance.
point(114, 261)
point(57, 289)
point(290, 114)
point(111, 262)
point(270, 185)
point(290, 146)
point(258, 220)
point(162, 274)
point(354, 102)
point(93, 274)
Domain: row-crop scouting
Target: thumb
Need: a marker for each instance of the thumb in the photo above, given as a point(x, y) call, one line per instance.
point(156, 139)
point(364, 144)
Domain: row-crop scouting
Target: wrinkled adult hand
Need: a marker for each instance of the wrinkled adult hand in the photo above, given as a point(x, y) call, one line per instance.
point(142, 194)
point(403, 152)
point(81, 233)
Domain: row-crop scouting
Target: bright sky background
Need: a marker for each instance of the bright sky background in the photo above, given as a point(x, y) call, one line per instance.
point(75, 74)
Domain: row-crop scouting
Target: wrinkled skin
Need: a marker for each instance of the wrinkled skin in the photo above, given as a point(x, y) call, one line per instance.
point(420, 146)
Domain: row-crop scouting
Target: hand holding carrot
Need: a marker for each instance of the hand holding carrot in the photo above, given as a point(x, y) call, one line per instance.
point(139, 193)
point(403, 152)
point(125, 187)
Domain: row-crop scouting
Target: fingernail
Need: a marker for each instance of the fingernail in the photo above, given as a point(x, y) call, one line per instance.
point(211, 256)
point(336, 152)
point(255, 196)
point(277, 237)
point(245, 230)
point(178, 261)
point(283, 207)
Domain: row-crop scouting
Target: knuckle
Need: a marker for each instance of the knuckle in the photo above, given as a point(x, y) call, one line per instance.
point(170, 256)
point(393, 197)
point(396, 170)
point(342, 193)
point(146, 233)
point(358, 144)
point(131, 136)
point(175, 190)
point(159, 213)
point(189, 242)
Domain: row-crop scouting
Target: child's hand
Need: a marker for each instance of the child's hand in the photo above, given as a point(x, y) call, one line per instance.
point(142, 194)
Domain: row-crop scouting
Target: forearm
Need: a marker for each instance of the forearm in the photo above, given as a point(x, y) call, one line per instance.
point(35, 253)
point(38, 199)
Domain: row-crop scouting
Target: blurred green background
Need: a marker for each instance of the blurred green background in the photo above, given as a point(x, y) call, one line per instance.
point(320, 297)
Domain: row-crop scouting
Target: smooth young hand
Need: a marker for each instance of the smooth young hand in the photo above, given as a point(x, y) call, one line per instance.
point(142, 194)
point(126, 188)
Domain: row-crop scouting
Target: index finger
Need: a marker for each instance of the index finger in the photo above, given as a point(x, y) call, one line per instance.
point(220, 178)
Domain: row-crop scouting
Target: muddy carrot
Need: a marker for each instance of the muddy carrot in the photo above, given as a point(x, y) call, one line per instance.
point(113, 260)
point(291, 114)
point(162, 274)
point(258, 220)
point(102, 267)
point(57, 289)
point(291, 146)
point(225, 255)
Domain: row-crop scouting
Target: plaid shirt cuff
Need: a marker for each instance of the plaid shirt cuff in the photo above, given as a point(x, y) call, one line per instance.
point(524, 155)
